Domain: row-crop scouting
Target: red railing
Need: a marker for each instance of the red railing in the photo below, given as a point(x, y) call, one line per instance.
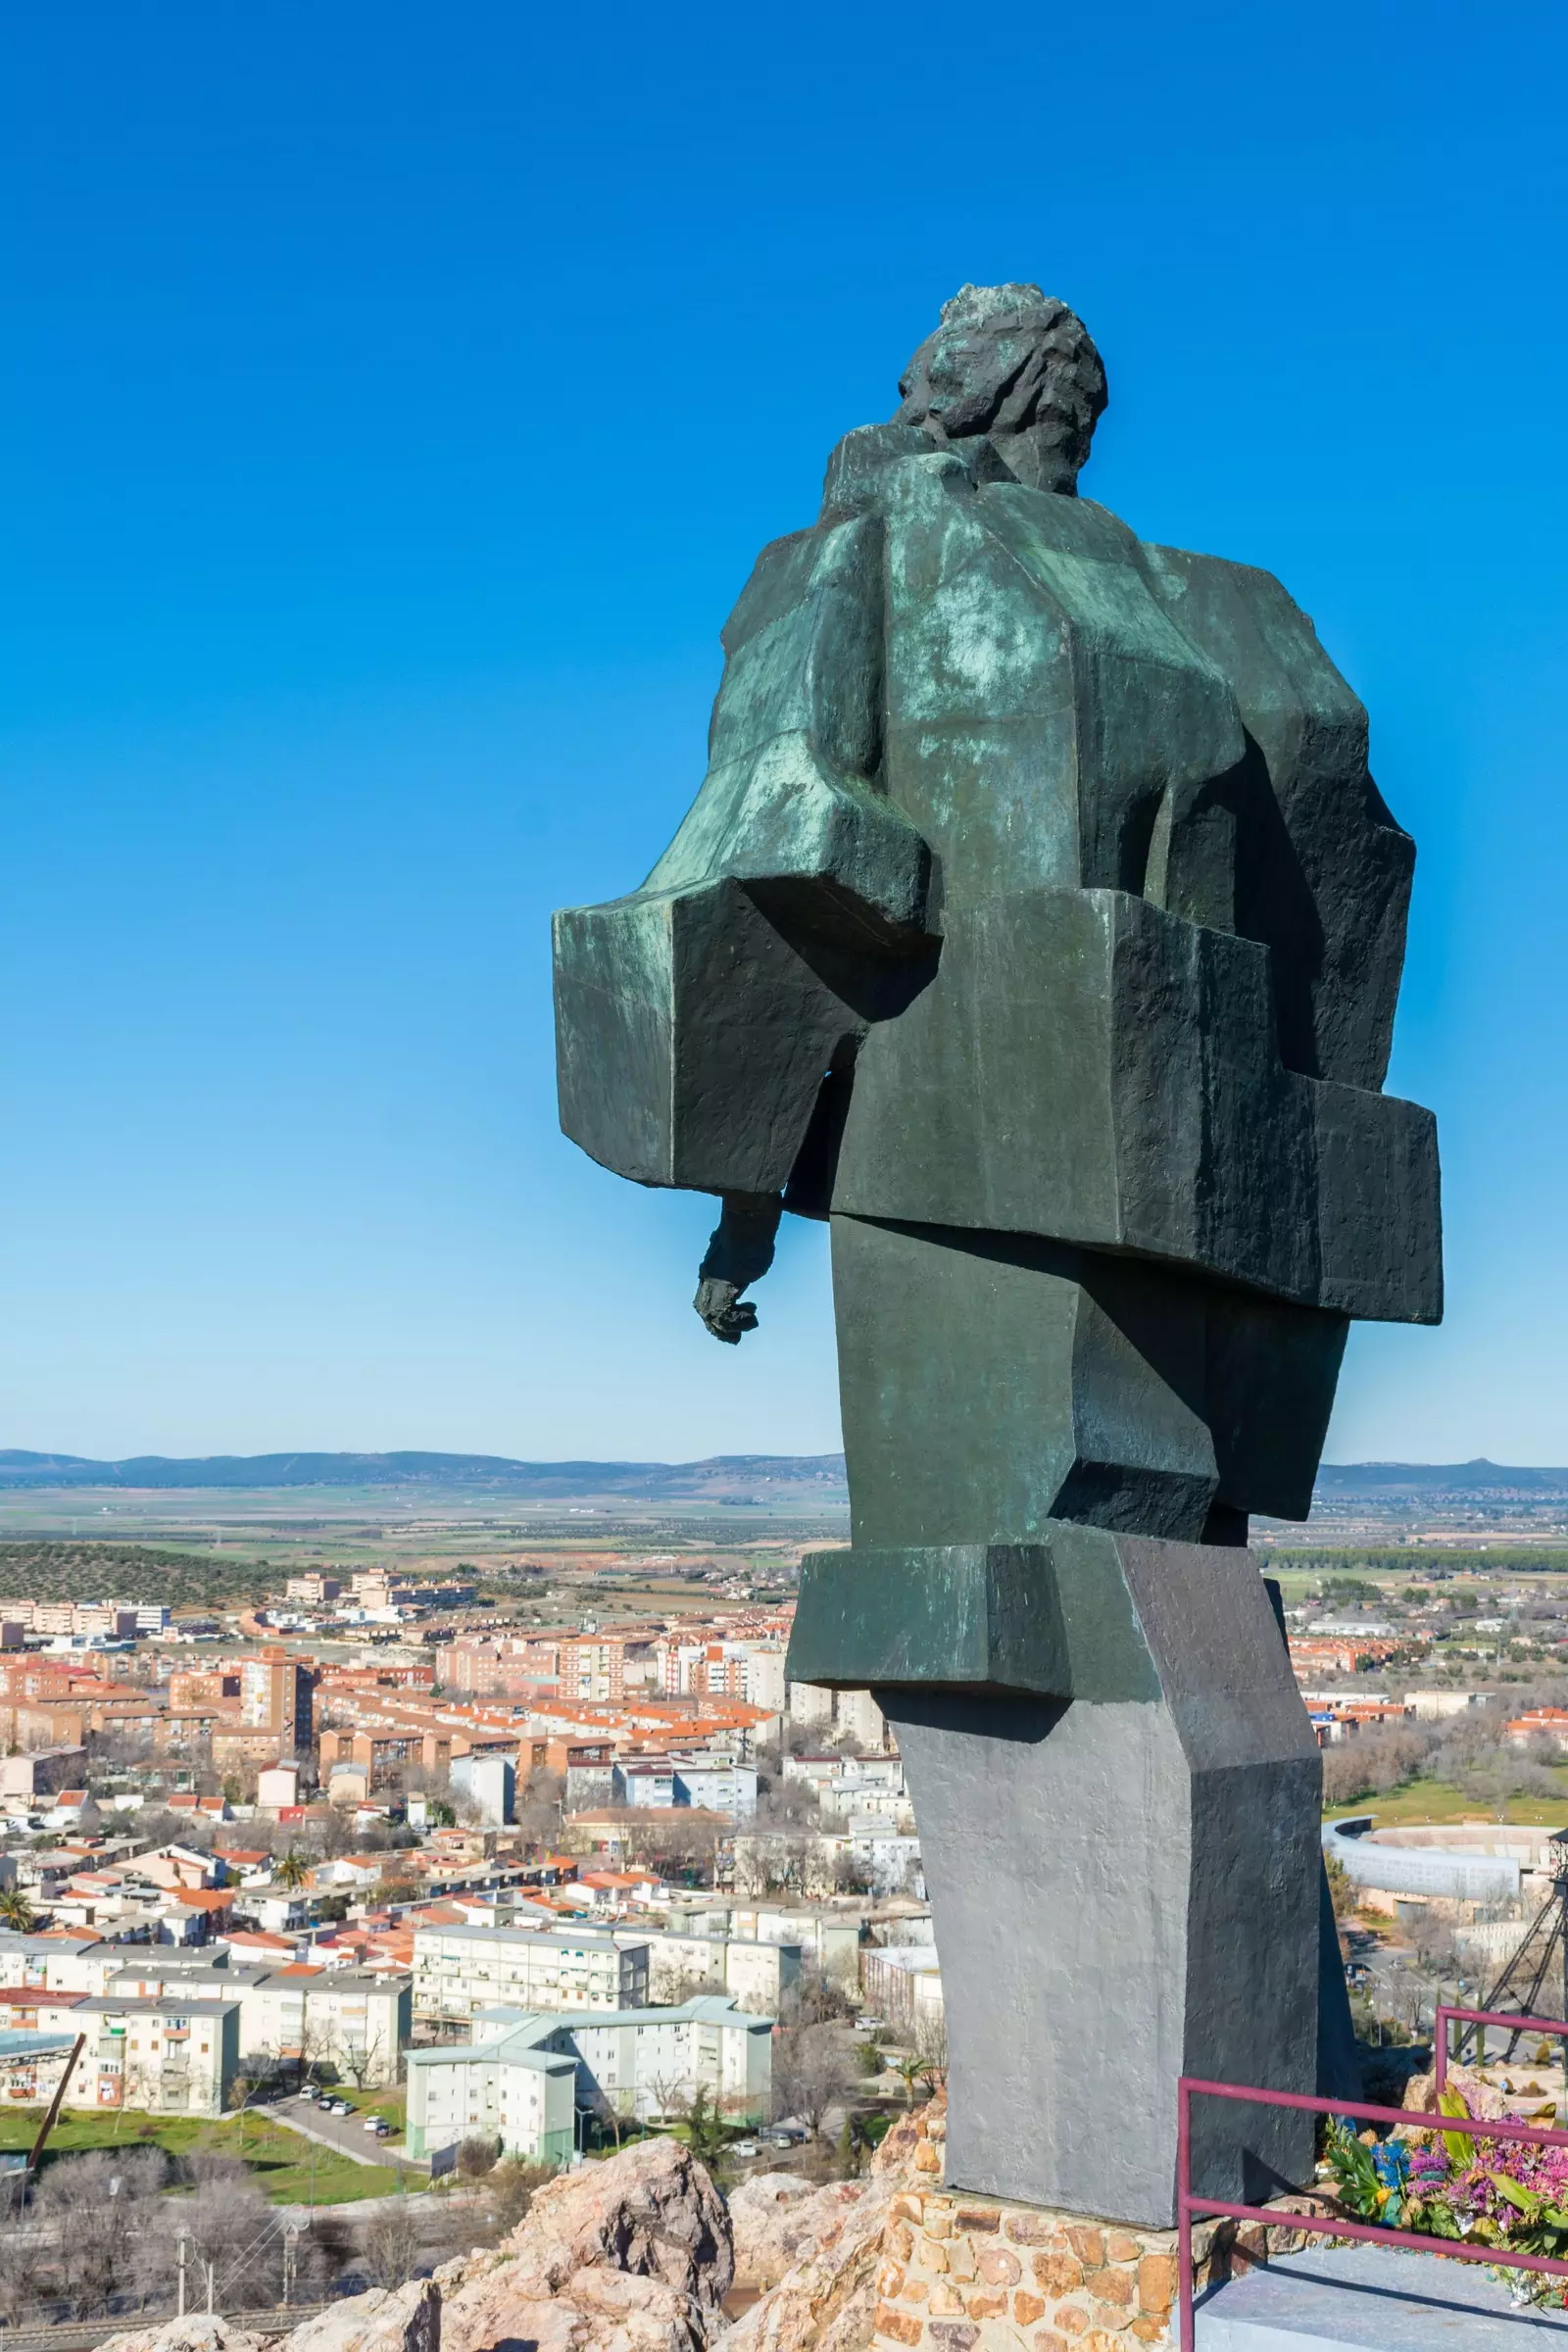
point(1475, 2128)
point(1486, 2016)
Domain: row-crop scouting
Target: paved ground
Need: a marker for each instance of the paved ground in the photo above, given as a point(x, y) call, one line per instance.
point(343, 2133)
point(1371, 2299)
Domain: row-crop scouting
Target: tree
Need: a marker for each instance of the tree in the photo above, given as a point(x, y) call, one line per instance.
point(908, 2066)
point(392, 2244)
point(931, 2044)
point(702, 2129)
point(360, 2060)
point(17, 1911)
point(811, 2072)
point(96, 2206)
point(292, 1871)
point(477, 2155)
point(511, 2188)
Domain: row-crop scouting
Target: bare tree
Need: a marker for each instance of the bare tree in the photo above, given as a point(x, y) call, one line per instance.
point(90, 2203)
point(392, 2244)
point(229, 2227)
point(361, 2059)
point(931, 2045)
point(812, 2072)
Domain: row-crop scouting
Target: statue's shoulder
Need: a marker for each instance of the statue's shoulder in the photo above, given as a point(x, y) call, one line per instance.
point(1248, 621)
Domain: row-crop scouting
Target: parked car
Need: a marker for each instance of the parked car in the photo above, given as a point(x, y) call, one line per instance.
point(341, 2107)
point(745, 2147)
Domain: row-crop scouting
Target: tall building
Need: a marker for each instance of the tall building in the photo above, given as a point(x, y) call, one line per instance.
point(277, 1695)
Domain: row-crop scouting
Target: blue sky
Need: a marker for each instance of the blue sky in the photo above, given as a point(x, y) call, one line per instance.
point(394, 401)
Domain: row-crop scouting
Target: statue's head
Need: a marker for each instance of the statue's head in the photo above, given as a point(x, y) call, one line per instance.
point(1017, 366)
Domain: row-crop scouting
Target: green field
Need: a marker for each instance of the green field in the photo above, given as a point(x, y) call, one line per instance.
point(289, 2169)
point(1436, 1801)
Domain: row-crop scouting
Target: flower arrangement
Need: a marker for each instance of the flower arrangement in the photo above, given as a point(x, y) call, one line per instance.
point(1463, 2186)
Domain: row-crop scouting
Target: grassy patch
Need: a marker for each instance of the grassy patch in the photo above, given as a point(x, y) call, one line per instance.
point(288, 2168)
point(1436, 1801)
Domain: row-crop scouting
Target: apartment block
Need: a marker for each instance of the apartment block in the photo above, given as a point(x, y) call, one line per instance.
point(459, 1971)
point(277, 1696)
point(167, 2056)
point(523, 2076)
point(756, 1975)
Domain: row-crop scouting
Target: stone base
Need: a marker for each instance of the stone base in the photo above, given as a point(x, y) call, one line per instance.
point(963, 2275)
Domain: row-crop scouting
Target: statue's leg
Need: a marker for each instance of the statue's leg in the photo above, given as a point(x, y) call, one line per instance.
point(1115, 1781)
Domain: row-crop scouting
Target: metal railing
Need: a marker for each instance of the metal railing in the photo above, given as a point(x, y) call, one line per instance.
point(1485, 2017)
point(1471, 2127)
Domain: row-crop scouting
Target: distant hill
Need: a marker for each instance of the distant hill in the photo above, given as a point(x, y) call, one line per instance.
point(1345, 1480)
point(812, 1477)
point(809, 1480)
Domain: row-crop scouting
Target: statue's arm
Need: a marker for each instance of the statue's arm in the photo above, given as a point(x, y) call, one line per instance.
point(739, 1251)
point(697, 1018)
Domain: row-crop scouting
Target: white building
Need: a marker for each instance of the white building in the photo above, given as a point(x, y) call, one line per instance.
point(756, 1975)
point(459, 1971)
point(524, 2077)
point(488, 1782)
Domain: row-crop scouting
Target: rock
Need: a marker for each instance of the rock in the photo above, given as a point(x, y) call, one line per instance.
point(826, 2301)
point(197, 2332)
point(1482, 2098)
point(400, 2318)
point(779, 2220)
point(632, 2255)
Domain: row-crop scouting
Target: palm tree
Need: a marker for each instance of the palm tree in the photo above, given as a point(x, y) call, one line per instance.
point(17, 1911)
point(293, 1871)
point(909, 2066)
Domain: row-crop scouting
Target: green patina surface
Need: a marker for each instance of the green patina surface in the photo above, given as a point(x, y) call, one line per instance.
point(1055, 1619)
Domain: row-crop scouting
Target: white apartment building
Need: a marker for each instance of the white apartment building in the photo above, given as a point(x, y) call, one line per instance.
point(349, 2019)
point(756, 1975)
point(459, 1971)
point(58, 1964)
point(166, 2056)
point(523, 2078)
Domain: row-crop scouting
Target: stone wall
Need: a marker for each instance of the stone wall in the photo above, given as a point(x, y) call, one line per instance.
point(964, 2274)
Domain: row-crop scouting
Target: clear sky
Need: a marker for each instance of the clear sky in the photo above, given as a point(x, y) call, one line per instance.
point(394, 400)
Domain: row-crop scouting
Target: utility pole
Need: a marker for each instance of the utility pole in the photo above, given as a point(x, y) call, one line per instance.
point(212, 2273)
point(182, 2275)
point(290, 2250)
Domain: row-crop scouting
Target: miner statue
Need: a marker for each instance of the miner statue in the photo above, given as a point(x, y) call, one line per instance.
point(1039, 926)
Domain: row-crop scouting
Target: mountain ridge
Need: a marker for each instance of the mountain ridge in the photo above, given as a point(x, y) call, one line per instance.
point(712, 1474)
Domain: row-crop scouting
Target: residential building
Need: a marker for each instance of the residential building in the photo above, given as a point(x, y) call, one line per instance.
point(758, 1977)
point(903, 1984)
point(277, 1695)
point(524, 2075)
point(314, 1588)
point(459, 1971)
point(169, 2056)
point(277, 1787)
point(346, 2018)
point(488, 1782)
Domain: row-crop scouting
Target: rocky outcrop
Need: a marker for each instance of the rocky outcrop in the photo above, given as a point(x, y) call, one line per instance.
point(198, 2331)
point(629, 2256)
point(826, 2299)
point(779, 2220)
point(400, 2318)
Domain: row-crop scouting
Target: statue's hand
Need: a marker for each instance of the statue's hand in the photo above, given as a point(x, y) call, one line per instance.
point(726, 1314)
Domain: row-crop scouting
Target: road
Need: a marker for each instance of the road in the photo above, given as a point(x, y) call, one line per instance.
point(346, 2134)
